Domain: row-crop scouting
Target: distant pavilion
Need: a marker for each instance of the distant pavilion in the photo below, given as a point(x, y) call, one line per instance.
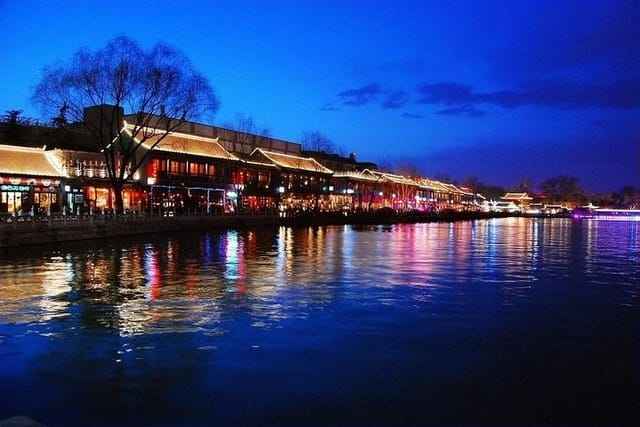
point(520, 199)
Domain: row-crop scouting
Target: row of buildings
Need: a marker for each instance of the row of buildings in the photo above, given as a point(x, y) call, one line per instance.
point(208, 169)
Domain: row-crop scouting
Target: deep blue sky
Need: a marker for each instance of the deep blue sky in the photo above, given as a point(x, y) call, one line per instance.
point(500, 90)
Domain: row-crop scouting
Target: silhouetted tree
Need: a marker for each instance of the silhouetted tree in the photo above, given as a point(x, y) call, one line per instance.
point(12, 120)
point(60, 120)
point(12, 117)
point(384, 163)
point(606, 200)
point(563, 188)
point(443, 177)
point(492, 192)
point(316, 141)
point(472, 182)
point(525, 185)
point(246, 130)
point(247, 124)
point(408, 170)
point(160, 85)
point(629, 197)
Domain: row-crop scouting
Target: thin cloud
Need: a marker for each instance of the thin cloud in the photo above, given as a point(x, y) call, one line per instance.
point(360, 96)
point(465, 110)
point(329, 107)
point(395, 100)
point(412, 116)
point(616, 95)
point(446, 93)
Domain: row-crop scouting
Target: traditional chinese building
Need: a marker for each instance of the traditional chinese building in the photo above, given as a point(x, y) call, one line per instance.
point(31, 181)
point(358, 190)
point(206, 169)
point(302, 183)
point(521, 200)
point(185, 172)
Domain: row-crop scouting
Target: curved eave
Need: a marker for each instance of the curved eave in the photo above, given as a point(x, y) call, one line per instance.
point(28, 161)
point(180, 143)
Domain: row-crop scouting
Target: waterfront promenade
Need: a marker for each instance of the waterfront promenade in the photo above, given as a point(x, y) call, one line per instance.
point(29, 231)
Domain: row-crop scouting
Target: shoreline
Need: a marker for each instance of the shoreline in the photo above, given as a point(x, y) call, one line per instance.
point(33, 232)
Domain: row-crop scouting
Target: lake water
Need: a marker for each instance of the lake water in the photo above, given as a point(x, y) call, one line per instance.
point(510, 321)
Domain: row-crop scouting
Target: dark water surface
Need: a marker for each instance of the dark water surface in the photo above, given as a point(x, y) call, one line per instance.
point(498, 322)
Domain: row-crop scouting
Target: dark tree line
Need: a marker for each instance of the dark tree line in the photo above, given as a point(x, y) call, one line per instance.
point(627, 197)
point(561, 189)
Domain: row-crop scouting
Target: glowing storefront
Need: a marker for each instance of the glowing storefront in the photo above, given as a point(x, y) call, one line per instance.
point(188, 172)
point(302, 183)
point(30, 181)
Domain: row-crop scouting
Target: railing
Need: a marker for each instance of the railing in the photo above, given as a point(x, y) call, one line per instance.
point(293, 216)
point(58, 219)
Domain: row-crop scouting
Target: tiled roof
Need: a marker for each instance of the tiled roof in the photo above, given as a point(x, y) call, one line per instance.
point(398, 179)
point(293, 162)
point(442, 186)
point(453, 189)
point(187, 144)
point(246, 159)
point(364, 175)
point(29, 161)
point(432, 185)
point(259, 164)
point(62, 156)
point(516, 196)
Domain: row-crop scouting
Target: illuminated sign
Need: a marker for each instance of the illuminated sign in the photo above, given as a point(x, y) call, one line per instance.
point(17, 188)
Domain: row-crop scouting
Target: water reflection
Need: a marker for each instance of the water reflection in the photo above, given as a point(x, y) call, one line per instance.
point(33, 294)
point(160, 322)
point(182, 284)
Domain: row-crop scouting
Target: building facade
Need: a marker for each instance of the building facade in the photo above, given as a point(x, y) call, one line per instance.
point(210, 170)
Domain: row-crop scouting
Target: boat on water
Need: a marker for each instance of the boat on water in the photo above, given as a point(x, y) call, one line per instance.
point(607, 214)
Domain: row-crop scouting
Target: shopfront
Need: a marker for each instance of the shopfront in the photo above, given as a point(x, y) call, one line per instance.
point(13, 198)
point(101, 199)
point(45, 199)
point(187, 199)
point(20, 196)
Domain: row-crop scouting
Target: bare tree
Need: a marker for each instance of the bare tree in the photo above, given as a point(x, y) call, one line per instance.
point(159, 85)
point(385, 163)
point(408, 170)
point(525, 185)
point(445, 178)
point(248, 125)
point(472, 182)
point(247, 131)
point(316, 141)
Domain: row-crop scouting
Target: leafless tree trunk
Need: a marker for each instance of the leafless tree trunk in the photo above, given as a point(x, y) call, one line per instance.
point(159, 86)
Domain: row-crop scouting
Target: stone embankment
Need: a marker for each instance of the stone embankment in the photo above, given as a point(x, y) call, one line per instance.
point(29, 231)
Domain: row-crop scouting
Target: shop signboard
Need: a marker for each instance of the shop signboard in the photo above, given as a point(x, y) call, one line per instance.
point(15, 188)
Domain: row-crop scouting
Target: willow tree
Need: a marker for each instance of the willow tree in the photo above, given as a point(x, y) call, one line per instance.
point(159, 86)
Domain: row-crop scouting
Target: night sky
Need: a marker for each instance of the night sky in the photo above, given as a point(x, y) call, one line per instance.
point(499, 90)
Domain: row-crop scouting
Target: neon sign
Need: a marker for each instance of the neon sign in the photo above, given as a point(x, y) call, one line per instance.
point(17, 188)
